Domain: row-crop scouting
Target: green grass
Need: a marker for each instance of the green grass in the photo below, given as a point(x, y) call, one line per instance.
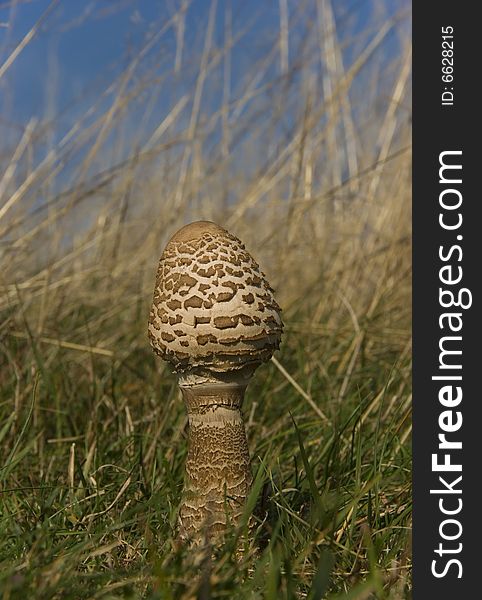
point(93, 433)
point(93, 468)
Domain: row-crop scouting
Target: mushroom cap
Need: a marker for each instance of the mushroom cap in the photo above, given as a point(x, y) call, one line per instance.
point(212, 306)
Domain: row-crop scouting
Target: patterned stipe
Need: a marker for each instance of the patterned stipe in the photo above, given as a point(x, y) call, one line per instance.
point(218, 475)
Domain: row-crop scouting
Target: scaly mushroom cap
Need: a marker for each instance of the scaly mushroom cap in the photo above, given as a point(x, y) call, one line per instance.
point(212, 307)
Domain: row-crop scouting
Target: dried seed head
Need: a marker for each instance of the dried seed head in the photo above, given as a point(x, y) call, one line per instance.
point(213, 308)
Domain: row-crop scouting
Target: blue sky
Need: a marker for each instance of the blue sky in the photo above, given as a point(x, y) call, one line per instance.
point(70, 75)
point(71, 70)
point(82, 43)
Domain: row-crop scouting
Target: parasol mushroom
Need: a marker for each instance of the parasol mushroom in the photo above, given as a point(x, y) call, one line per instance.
point(215, 320)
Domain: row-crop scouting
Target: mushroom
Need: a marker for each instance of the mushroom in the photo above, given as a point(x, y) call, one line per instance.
point(215, 320)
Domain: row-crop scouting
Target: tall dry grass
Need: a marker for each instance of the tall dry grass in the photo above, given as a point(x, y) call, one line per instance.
point(301, 154)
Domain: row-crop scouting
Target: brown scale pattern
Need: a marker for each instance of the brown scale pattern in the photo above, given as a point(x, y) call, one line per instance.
point(224, 310)
point(218, 476)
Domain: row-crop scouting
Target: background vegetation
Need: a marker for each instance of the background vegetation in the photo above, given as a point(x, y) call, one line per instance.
point(293, 133)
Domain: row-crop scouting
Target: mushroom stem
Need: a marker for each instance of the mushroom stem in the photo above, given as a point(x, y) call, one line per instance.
point(218, 474)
